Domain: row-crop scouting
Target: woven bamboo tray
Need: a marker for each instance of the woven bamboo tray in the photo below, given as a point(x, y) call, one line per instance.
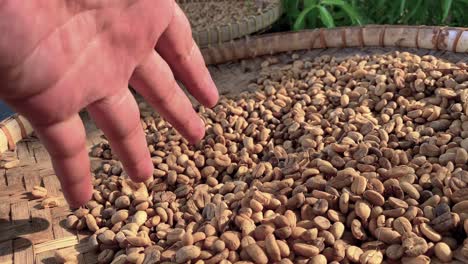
point(29, 234)
point(248, 21)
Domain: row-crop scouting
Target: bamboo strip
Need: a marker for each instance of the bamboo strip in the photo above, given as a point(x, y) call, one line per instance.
point(65, 242)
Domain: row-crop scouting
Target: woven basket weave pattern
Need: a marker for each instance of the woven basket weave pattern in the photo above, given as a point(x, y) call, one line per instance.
point(216, 34)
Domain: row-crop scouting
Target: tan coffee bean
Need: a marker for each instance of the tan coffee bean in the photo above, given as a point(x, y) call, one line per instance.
point(465, 226)
point(394, 213)
point(344, 203)
point(374, 197)
point(402, 225)
point(217, 129)
point(272, 248)
point(281, 221)
point(187, 239)
point(429, 232)
point(119, 216)
point(460, 207)
point(394, 252)
point(50, 202)
point(321, 222)
point(231, 239)
point(362, 210)
point(359, 185)
point(119, 259)
point(71, 221)
point(319, 259)
point(337, 229)
point(81, 224)
point(309, 235)
point(140, 218)
point(106, 256)
point(400, 171)
point(39, 192)
point(97, 211)
point(446, 221)
point(284, 248)
point(91, 223)
point(291, 216)
point(140, 240)
point(339, 250)
point(62, 256)
point(218, 246)
point(122, 202)
point(187, 253)
point(416, 260)
point(344, 100)
point(107, 237)
point(414, 245)
point(285, 232)
point(305, 249)
point(262, 231)
point(357, 230)
point(335, 216)
point(9, 164)
point(410, 190)
point(256, 254)
point(397, 203)
point(135, 257)
point(387, 235)
point(354, 253)
point(443, 252)
point(371, 257)
point(162, 214)
point(81, 212)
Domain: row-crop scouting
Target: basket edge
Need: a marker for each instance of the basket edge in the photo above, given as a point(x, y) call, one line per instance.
point(452, 39)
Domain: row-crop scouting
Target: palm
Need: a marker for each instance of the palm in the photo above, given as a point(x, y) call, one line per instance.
point(82, 54)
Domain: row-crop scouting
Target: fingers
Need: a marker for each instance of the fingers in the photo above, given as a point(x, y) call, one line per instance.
point(118, 117)
point(66, 144)
point(177, 47)
point(154, 80)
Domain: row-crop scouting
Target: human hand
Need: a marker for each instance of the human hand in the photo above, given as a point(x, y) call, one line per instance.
point(58, 57)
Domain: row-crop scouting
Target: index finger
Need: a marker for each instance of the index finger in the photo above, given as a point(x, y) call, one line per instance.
point(180, 51)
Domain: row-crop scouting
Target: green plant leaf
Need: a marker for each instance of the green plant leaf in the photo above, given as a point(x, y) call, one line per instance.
point(352, 13)
point(402, 7)
point(311, 18)
point(340, 15)
point(291, 7)
point(309, 3)
point(326, 17)
point(300, 20)
point(446, 5)
point(332, 2)
point(413, 11)
point(291, 10)
point(300, 14)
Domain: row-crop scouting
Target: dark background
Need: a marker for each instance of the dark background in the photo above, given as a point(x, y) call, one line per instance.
point(5, 111)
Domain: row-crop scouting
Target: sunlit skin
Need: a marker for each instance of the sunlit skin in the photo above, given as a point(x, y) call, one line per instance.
point(58, 57)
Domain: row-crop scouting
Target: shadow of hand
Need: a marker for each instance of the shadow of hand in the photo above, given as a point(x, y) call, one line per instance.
point(18, 232)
